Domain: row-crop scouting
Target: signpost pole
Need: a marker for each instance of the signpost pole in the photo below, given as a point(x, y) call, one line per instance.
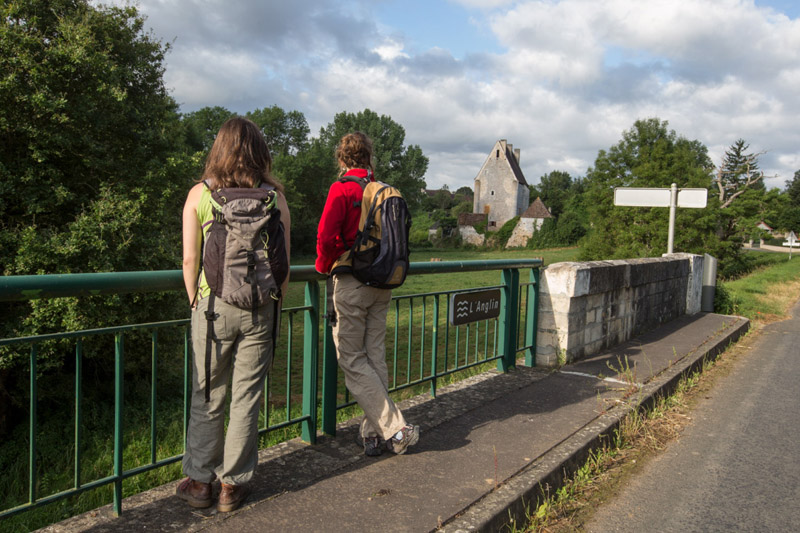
point(673, 203)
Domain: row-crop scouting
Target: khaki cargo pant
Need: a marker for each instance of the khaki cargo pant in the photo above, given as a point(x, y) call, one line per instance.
point(242, 354)
point(359, 335)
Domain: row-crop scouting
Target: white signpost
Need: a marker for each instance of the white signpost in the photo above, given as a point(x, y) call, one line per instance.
point(791, 240)
point(655, 197)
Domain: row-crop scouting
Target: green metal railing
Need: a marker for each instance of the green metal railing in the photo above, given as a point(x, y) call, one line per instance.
point(422, 348)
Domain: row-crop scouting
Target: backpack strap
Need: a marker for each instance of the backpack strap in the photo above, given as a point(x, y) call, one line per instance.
point(211, 316)
point(363, 182)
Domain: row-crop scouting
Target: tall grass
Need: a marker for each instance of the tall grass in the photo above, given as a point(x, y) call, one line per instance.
point(755, 296)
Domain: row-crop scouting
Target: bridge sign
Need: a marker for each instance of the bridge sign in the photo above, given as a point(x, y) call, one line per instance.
point(466, 307)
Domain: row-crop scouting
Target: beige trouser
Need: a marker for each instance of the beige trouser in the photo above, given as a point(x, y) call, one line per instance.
point(359, 335)
point(242, 355)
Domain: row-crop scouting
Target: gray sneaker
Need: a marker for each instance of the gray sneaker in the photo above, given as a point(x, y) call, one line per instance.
point(410, 438)
point(373, 446)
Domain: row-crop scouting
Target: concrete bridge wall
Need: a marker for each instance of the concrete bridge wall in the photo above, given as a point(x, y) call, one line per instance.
point(588, 307)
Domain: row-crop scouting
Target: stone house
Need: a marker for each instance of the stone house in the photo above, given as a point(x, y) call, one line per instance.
point(466, 228)
point(531, 220)
point(501, 191)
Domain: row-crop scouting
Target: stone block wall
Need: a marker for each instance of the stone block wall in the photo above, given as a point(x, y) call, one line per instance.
point(587, 307)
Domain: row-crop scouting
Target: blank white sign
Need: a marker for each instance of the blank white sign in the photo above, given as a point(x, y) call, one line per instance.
point(641, 197)
point(658, 197)
point(697, 198)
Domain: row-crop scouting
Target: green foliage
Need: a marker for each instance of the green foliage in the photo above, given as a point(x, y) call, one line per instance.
point(738, 172)
point(82, 104)
point(649, 155)
point(286, 132)
point(754, 292)
point(555, 189)
point(418, 237)
point(501, 236)
point(94, 170)
point(401, 166)
point(788, 217)
point(201, 127)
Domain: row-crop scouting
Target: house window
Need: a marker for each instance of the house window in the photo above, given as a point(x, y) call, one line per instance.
point(492, 193)
point(497, 153)
point(492, 224)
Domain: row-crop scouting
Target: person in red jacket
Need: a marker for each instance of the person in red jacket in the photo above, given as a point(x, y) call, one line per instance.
point(359, 322)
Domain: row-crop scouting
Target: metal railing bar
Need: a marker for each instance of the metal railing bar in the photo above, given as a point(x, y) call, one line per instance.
point(289, 368)
point(91, 332)
point(119, 387)
point(78, 410)
point(285, 423)
point(153, 399)
point(32, 429)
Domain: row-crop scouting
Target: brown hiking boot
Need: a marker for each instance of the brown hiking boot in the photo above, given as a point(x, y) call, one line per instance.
point(195, 493)
point(231, 497)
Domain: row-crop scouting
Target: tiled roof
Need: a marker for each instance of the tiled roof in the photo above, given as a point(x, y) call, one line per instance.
point(537, 209)
point(514, 164)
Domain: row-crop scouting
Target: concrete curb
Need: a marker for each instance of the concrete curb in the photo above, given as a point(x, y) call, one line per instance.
point(511, 501)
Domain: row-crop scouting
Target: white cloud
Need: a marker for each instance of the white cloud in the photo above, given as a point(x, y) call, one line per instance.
point(574, 76)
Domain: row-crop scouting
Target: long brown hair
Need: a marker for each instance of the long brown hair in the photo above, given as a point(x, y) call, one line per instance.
point(355, 151)
point(239, 157)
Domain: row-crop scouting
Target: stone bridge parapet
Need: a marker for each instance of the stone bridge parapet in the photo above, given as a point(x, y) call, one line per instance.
point(588, 307)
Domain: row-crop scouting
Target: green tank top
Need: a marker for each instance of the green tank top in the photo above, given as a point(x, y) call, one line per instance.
point(205, 214)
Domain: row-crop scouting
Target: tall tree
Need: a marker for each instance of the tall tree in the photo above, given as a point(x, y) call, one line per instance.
point(554, 189)
point(789, 216)
point(793, 189)
point(82, 104)
point(738, 172)
point(90, 179)
point(396, 164)
point(286, 132)
point(649, 155)
point(201, 126)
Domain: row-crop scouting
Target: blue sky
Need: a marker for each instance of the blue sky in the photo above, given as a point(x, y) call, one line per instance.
point(430, 24)
point(560, 79)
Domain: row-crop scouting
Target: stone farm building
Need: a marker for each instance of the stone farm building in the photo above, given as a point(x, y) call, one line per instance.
point(531, 220)
point(501, 192)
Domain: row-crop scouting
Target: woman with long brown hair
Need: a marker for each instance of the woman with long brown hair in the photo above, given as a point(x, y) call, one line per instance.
point(242, 340)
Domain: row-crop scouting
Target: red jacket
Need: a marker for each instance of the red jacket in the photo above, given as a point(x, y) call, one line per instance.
point(339, 222)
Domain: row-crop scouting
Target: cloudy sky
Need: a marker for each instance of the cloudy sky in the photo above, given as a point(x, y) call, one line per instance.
point(558, 79)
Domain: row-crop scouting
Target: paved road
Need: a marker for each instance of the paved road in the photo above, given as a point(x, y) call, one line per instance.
point(737, 465)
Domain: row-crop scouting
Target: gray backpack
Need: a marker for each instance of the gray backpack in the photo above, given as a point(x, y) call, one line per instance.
point(244, 255)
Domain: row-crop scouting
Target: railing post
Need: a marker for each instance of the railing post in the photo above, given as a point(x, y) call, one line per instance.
point(153, 395)
point(119, 384)
point(435, 345)
point(310, 358)
point(78, 409)
point(532, 318)
point(330, 369)
point(509, 304)
point(32, 429)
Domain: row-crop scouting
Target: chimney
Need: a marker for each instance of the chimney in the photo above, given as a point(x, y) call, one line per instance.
point(516, 155)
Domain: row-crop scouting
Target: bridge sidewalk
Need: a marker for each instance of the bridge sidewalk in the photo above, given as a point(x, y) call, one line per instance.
point(488, 444)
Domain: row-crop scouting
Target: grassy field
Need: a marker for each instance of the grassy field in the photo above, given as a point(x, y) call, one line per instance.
point(765, 293)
